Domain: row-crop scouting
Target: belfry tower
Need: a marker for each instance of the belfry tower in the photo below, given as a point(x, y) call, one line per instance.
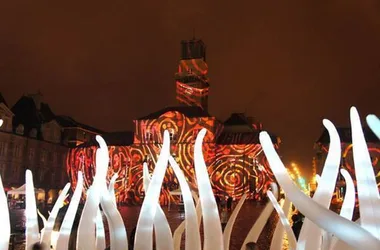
point(191, 79)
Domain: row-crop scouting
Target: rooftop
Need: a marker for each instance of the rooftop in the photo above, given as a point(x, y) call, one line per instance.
point(345, 136)
point(121, 138)
point(188, 111)
point(67, 122)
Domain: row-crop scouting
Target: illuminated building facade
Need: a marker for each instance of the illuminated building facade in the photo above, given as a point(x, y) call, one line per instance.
point(347, 162)
point(232, 152)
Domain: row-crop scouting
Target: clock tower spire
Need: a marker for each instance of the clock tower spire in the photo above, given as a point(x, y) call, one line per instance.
point(191, 79)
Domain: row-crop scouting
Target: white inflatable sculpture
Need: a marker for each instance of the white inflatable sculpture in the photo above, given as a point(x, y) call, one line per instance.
point(351, 233)
point(323, 229)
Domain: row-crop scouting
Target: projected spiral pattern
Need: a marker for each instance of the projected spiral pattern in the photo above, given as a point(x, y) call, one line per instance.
point(231, 168)
point(234, 169)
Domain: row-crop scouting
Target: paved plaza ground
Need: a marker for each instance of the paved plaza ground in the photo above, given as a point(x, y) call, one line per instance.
point(247, 216)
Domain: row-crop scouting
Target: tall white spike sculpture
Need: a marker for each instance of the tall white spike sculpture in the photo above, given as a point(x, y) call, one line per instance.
point(374, 124)
point(177, 235)
point(348, 205)
point(284, 221)
point(257, 228)
point(278, 235)
point(368, 192)
point(231, 221)
point(100, 243)
point(193, 239)
point(163, 233)
point(324, 192)
point(48, 228)
point(342, 228)
point(31, 231)
point(144, 229)
point(118, 234)
point(111, 188)
point(67, 223)
point(5, 229)
point(86, 228)
point(213, 236)
point(98, 194)
point(347, 209)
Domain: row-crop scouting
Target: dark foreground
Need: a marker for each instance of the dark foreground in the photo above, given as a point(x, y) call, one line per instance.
point(247, 216)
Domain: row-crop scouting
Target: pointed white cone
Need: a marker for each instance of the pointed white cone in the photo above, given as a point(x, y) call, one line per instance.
point(32, 232)
point(111, 188)
point(257, 228)
point(213, 235)
point(324, 192)
point(177, 236)
point(5, 229)
point(193, 239)
point(348, 205)
point(231, 221)
point(374, 124)
point(163, 233)
point(278, 235)
point(368, 192)
point(345, 230)
point(46, 235)
point(100, 243)
point(118, 234)
point(68, 220)
point(284, 221)
point(144, 229)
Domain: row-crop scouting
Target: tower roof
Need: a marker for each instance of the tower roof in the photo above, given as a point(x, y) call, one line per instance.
point(193, 49)
point(2, 100)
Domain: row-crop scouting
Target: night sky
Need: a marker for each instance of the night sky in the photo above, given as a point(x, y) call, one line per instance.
point(289, 64)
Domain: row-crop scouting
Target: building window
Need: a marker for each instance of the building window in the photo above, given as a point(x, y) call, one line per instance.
point(55, 157)
point(20, 129)
point(148, 136)
point(17, 152)
point(2, 148)
point(33, 133)
point(31, 153)
point(43, 155)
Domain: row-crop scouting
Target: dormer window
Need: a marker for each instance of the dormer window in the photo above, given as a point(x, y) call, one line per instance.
point(33, 133)
point(20, 129)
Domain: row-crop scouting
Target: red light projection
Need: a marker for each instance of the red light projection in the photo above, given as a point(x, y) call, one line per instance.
point(348, 161)
point(233, 169)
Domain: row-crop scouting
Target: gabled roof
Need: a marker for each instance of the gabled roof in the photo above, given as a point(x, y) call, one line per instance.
point(26, 113)
point(345, 136)
point(238, 119)
point(188, 111)
point(122, 138)
point(68, 122)
point(2, 100)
